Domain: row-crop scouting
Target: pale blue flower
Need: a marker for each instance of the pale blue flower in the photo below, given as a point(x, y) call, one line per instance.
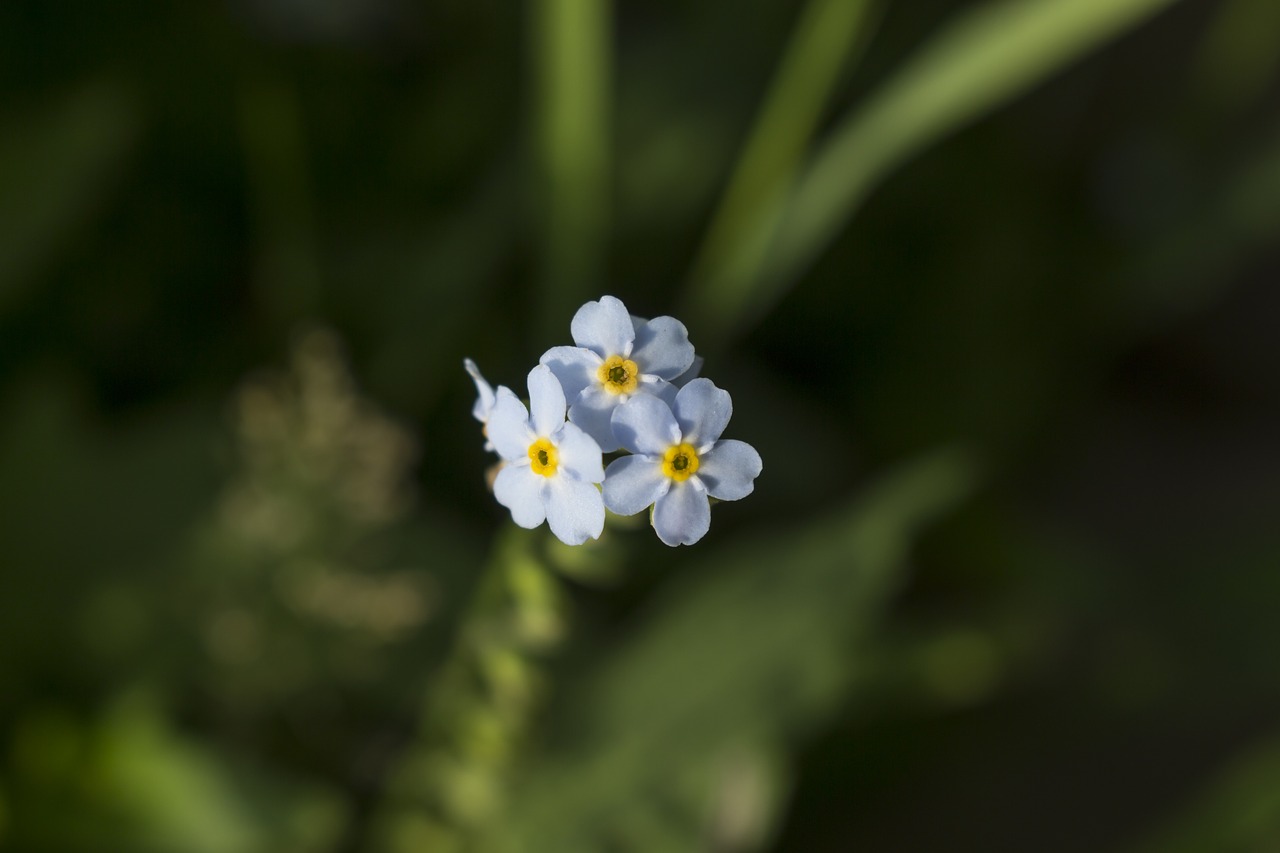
point(678, 382)
point(679, 461)
point(485, 398)
point(617, 358)
point(689, 375)
point(550, 467)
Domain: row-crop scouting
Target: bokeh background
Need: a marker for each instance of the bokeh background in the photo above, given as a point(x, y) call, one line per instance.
point(994, 289)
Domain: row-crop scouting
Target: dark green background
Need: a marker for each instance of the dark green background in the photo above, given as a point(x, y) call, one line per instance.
point(1009, 579)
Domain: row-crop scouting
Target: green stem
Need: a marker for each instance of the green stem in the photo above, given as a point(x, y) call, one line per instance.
point(987, 56)
point(572, 58)
point(450, 784)
point(824, 39)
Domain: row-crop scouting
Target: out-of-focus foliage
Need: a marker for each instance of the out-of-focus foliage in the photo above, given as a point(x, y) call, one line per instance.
point(1007, 581)
point(296, 573)
point(1239, 811)
point(731, 667)
point(985, 57)
point(60, 161)
point(126, 780)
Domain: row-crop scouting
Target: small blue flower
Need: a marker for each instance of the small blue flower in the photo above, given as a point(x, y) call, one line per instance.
point(485, 398)
point(550, 466)
point(617, 357)
point(688, 376)
point(679, 461)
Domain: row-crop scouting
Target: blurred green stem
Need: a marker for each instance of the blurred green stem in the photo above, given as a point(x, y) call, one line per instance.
point(449, 787)
point(572, 60)
point(825, 36)
point(991, 54)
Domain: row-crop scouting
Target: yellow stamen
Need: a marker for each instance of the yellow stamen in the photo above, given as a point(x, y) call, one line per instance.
point(543, 457)
point(680, 462)
point(619, 375)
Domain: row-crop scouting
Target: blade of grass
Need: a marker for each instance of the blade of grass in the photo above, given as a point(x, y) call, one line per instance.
point(825, 36)
point(985, 58)
point(572, 59)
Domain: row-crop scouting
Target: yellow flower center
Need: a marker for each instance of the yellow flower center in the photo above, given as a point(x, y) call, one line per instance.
point(680, 462)
point(619, 375)
point(543, 457)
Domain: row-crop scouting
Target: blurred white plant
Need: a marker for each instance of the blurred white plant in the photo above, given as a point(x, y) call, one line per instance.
point(307, 437)
point(297, 550)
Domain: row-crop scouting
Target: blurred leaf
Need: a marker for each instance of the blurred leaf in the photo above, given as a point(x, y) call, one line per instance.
point(1241, 53)
point(55, 168)
point(134, 784)
point(1190, 264)
point(988, 56)
point(824, 37)
point(743, 656)
point(1238, 813)
point(572, 57)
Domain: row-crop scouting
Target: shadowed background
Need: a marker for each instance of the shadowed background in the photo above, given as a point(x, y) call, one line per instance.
point(993, 286)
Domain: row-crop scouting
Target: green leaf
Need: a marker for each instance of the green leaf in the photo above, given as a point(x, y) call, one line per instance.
point(825, 36)
point(127, 781)
point(988, 56)
point(755, 647)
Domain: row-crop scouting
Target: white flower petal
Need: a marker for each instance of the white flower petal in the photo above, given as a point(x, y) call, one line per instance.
point(644, 424)
point(662, 347)
point(575, 367)
point(591, 412)
point(703, 411)
point(729, 470)
point(579, 454)
point(522, 491)
point(660, 388)
point(633, 483)
point(508, 426)
point(575, 510)
point(484, 392)
point(683, 515)
point(603, 327)
point(689, 375)
point(546, 401)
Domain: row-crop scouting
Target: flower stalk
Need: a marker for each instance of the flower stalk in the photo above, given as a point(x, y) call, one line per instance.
point(450, 783)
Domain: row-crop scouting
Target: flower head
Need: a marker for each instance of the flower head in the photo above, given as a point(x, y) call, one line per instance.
point(679, 461)
point(617, 357)
point(689, 375)
point(485, 398)
point(551, 467)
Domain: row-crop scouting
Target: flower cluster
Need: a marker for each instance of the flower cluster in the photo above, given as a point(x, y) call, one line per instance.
point(627, 384)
